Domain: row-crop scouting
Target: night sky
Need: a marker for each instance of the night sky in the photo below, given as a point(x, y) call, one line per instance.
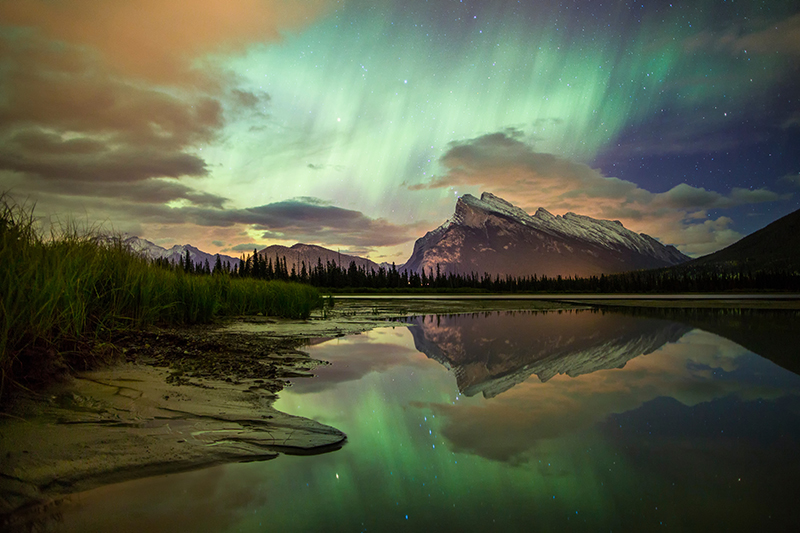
point(356, 124)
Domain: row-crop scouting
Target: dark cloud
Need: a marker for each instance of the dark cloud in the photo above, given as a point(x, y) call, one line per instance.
point(158, 191)
point(248, 99)
point(307, 220)
point(109, 163)
point(247, 104)
point(310, 220)
point(337, 168)
point(245, 247)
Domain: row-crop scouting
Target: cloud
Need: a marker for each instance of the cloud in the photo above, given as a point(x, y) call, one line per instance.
point(505, 165)
point(245, 247)
point(64, 194)
point(116, 99)
point(307, 220)
point(793, 179)
point(65, 123)
point(314, 166)
point(686, 197)
point(783, 37)
point(312, 220)
point(158, 39)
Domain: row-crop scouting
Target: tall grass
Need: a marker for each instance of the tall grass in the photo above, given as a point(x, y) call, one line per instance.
point(70, 289)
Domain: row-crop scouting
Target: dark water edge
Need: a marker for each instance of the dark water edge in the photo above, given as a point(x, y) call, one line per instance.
point(770, 333)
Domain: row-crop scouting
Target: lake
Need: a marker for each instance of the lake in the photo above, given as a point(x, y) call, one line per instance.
point(510, 421)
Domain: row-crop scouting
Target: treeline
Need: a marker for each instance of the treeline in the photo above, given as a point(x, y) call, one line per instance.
point(667, 280)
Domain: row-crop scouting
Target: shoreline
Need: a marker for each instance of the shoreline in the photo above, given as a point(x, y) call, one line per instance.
point(176, 399)
point(190, 398)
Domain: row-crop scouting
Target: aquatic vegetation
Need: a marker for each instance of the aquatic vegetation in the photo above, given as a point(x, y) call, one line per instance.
point(65, 294)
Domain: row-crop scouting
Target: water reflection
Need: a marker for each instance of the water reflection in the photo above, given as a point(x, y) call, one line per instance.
point(491, 352)
point(770, 333)
point(496, 353)
point(585, 422)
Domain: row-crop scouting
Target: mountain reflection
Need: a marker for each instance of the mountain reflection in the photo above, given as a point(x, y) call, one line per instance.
point(769, 333)
point(491, 352)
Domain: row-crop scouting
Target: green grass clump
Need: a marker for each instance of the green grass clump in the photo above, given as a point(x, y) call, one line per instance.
point(61, 294)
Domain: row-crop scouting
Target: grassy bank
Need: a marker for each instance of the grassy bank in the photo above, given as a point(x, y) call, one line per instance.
point(63, 295)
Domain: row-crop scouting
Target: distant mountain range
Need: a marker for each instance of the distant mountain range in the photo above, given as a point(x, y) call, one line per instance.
point(311, 255)
point(154, 251)
point(494, 236)
point(295, 256)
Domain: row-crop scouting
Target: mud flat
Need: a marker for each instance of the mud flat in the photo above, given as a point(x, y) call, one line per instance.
point(178, 400)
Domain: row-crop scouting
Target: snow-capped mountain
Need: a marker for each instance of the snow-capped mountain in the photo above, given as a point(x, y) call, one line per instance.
point(491, 235)
point(295, 256)
point(153, 251)
point(491, 354)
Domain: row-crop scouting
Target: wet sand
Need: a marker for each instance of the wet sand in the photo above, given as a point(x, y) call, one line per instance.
point(178, 400)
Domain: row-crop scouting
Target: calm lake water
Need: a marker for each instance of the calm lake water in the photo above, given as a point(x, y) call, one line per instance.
point(515, 421)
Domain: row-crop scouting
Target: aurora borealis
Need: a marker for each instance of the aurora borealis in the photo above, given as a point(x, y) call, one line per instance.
point(355, 125)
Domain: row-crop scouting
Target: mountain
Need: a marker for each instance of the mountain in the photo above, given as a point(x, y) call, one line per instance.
point(490, 354)
point(295, 255)
point(153, 251)
point(775, 247)
point(311, 254)
point(491, 235)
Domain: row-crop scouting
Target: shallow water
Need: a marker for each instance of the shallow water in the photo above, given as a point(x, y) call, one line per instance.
point(512, 421)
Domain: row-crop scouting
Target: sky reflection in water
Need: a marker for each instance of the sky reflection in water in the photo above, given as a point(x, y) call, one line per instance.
point(697, 433)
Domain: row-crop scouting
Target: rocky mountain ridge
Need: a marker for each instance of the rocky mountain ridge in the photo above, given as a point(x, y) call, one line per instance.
point(492, 235)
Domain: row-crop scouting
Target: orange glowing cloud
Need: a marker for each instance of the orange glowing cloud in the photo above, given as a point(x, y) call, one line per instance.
point(157, 39)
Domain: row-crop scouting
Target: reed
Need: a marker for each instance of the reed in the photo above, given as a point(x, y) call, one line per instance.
point(62, 293)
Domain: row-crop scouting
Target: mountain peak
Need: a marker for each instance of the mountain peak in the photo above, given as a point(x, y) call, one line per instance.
point(490, 234)
point(544, 214)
